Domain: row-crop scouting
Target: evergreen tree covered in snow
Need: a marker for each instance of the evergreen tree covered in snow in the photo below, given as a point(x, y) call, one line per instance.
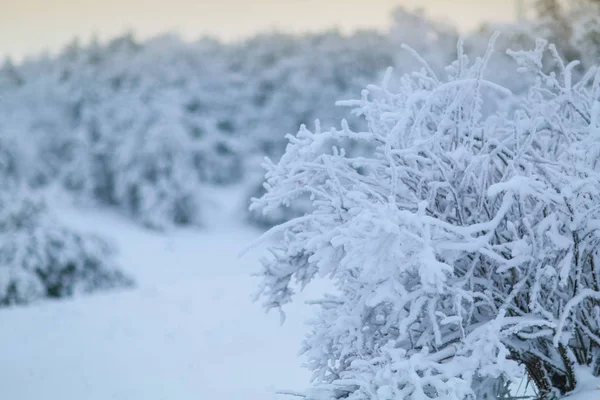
point(464, 247)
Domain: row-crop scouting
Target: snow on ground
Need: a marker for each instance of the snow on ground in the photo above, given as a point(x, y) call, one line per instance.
point(588, 386)
point(188, 331)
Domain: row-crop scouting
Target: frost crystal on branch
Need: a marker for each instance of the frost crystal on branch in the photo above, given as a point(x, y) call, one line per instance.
point(463, 245)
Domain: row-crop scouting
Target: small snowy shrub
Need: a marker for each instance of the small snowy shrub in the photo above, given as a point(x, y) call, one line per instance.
point(39, 258)
point(464, 247)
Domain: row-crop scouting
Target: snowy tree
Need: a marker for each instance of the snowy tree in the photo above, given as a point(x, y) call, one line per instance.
point(463, 248)
point(40, 258)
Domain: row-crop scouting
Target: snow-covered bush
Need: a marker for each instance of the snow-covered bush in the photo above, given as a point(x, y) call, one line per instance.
point(39, 258)
point(465, 246)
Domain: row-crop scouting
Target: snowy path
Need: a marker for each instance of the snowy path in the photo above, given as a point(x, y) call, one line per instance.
point(188, 331)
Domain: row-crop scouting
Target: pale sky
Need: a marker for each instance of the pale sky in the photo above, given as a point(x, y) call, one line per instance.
point(30, 26)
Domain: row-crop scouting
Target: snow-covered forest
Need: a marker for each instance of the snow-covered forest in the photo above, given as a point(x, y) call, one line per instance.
point(432, 198)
